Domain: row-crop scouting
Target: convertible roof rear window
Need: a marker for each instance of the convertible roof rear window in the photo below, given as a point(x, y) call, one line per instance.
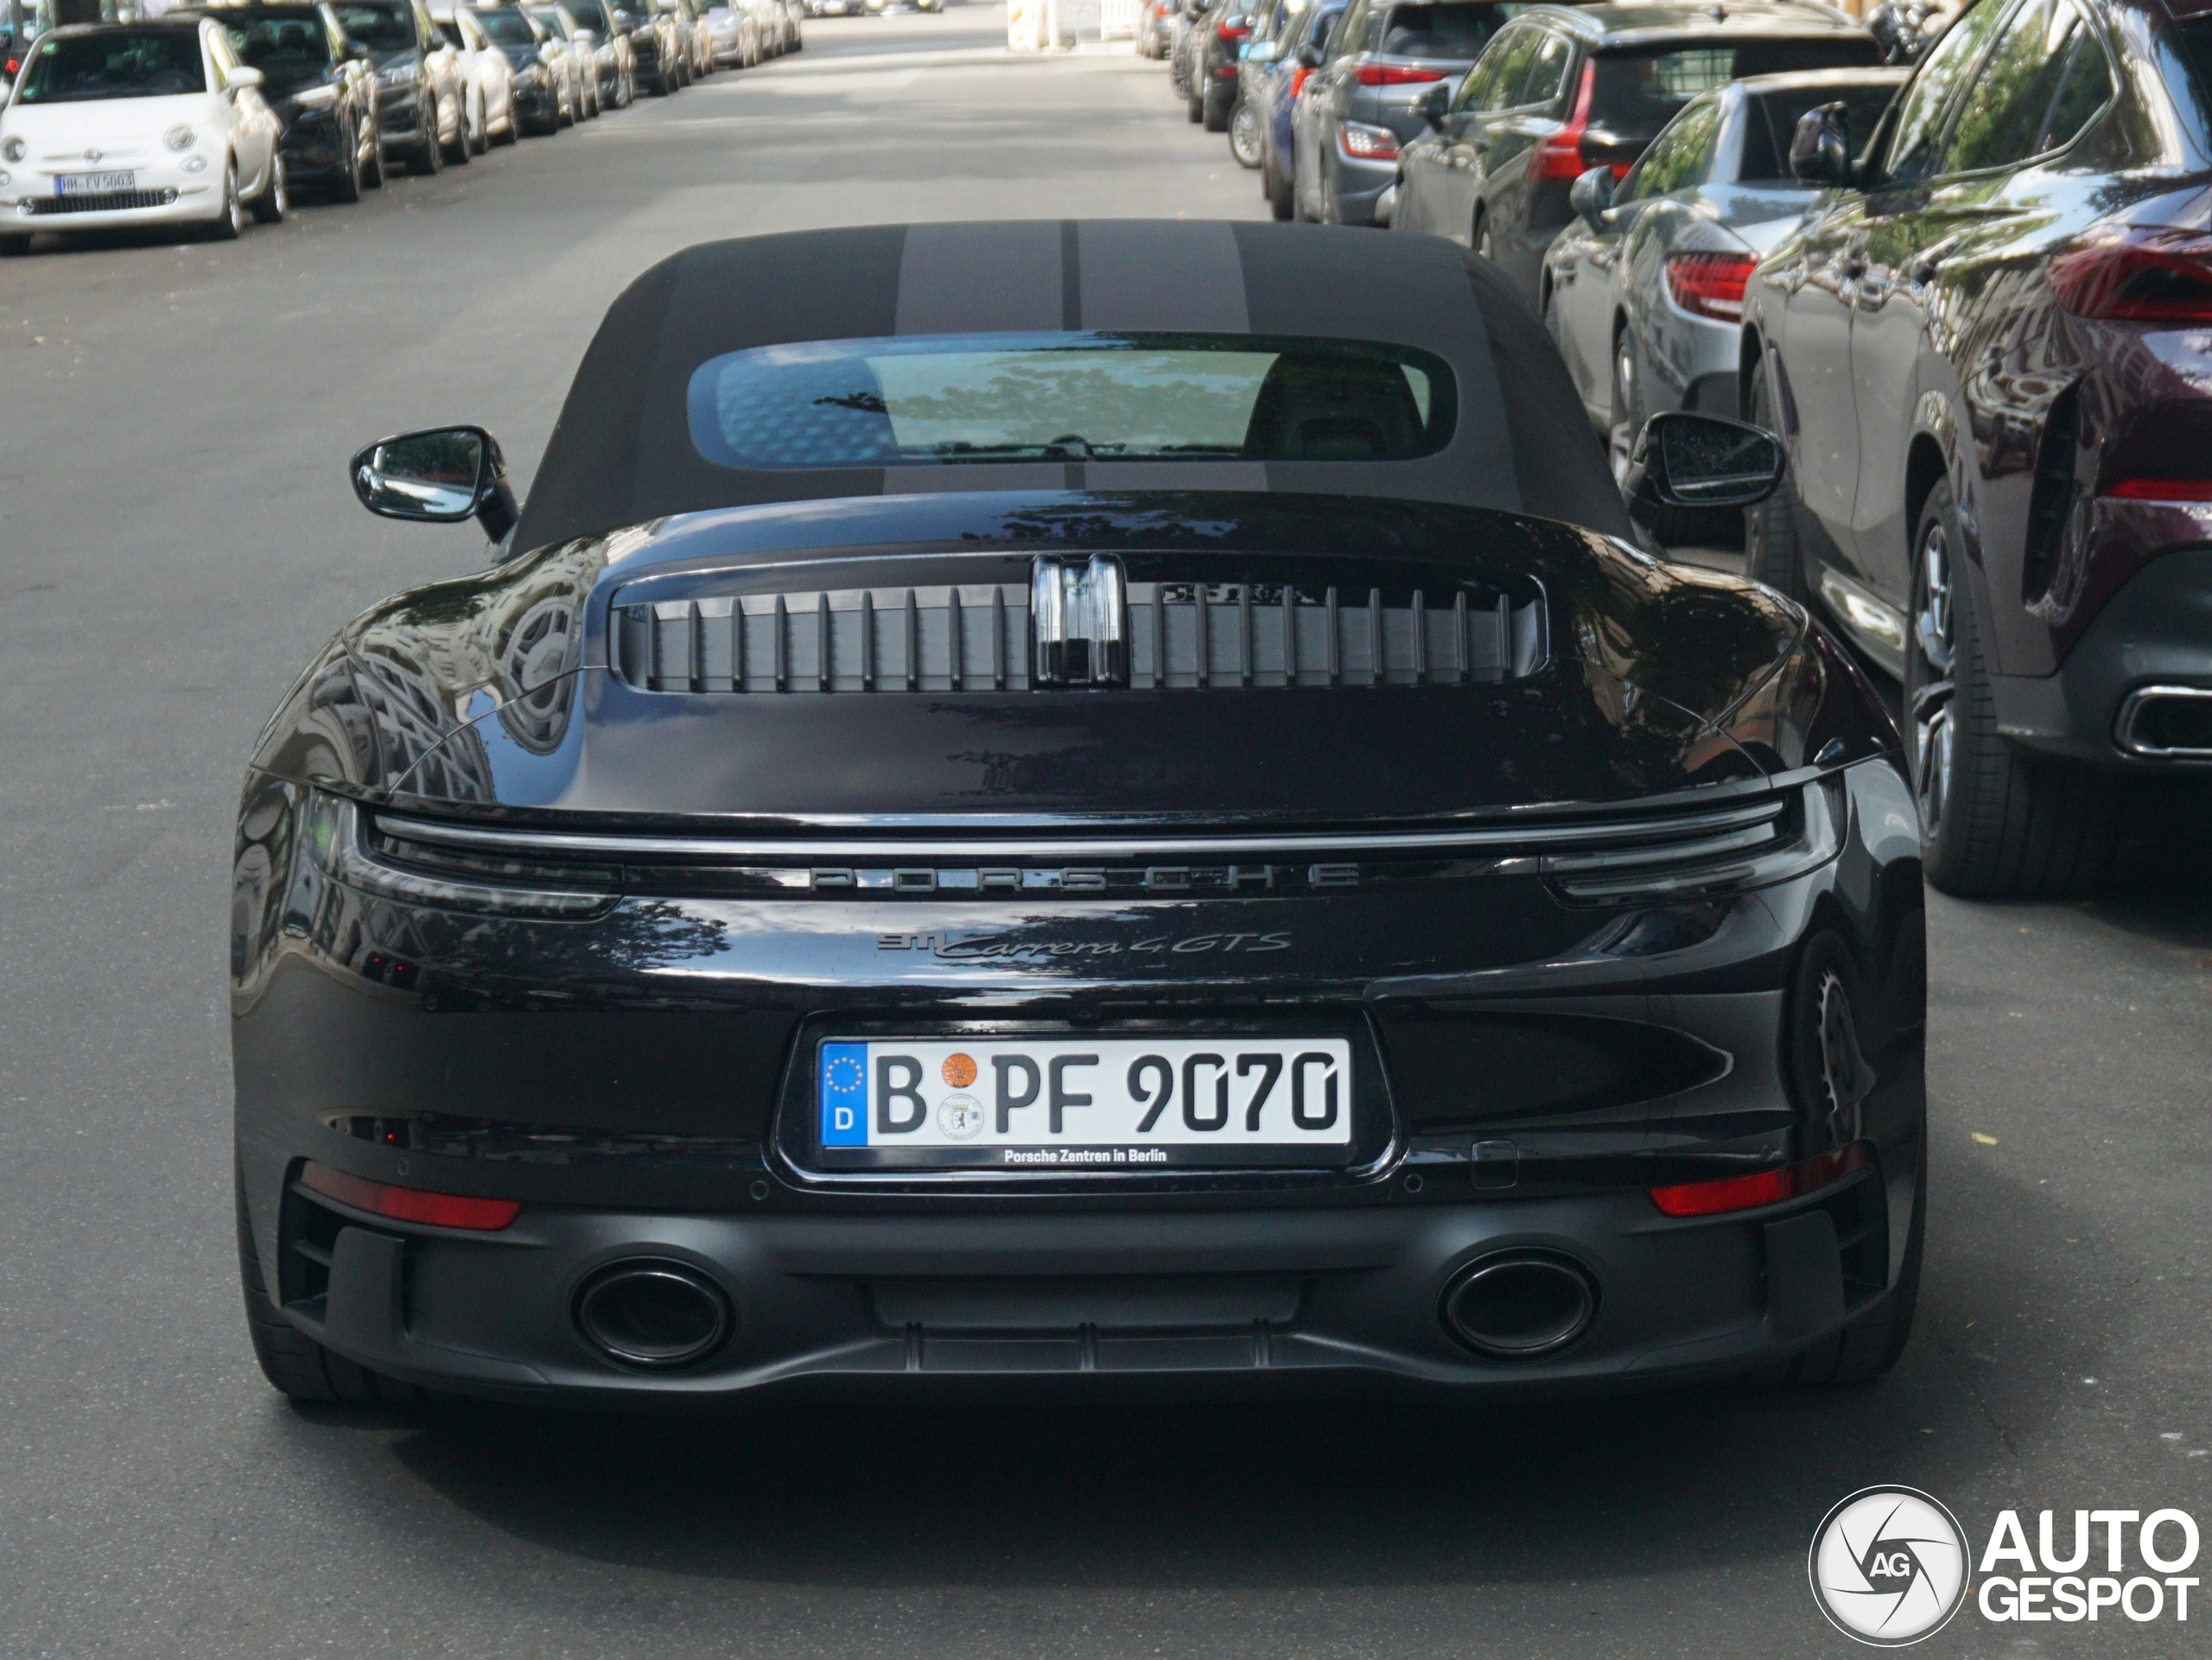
point(924, 399)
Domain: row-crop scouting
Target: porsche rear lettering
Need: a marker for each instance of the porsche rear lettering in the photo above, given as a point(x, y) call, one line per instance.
point(989, 948)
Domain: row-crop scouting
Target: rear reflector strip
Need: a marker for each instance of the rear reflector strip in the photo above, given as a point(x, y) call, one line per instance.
point(1767, 1187)
point(411, 1204)
point(2161, 490)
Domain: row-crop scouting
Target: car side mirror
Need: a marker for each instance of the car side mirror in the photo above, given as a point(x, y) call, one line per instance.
point(243, 77)
point(1309, 56)
point(1820, 150)
point(358, 52)
point(1265, 52)
point(1683, 460)
point(438, 476)
point(1590, 194)
point(1430, 105)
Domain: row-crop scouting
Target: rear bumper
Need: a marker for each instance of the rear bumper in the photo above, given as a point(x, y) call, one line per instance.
point(2155, 632)
point(1285, 1292)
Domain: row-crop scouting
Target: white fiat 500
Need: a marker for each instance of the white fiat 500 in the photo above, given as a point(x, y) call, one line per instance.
point(137, 124)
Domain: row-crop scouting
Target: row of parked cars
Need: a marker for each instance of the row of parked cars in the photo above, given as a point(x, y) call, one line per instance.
point(211, 114)
point(1972, 293)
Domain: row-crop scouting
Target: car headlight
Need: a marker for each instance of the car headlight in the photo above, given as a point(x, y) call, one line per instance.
point(12, 149)
point(396, 80)
point(315, 98)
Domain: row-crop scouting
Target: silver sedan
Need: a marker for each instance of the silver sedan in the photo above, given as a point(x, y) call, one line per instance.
point(1644, 292)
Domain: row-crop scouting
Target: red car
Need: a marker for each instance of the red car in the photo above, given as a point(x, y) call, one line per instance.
point(1987, 354)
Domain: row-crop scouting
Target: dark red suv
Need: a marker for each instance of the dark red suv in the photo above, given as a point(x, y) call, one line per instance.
point(1990, 353)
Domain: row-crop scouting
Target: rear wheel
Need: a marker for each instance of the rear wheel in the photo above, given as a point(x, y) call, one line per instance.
point(276, 198)
point(1626, 417)
point(1770, 554)
point(346, 187)
point(291, 1360)
point(429, 154)
point(1992, 821)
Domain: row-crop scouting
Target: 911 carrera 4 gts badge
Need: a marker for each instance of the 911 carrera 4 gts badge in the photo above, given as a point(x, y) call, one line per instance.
point(1080, 613)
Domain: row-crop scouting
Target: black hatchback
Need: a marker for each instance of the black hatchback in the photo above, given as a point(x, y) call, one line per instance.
point(1564, 89)
point(323, 86)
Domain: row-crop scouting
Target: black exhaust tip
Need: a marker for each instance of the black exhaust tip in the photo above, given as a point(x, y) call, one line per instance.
point(655, 1315)
point(1521, 1304)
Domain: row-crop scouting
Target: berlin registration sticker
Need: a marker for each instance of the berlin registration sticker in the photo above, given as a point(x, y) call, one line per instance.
point(1084, 1102)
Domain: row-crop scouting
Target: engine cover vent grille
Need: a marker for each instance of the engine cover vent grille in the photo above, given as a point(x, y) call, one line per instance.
point(981, 638)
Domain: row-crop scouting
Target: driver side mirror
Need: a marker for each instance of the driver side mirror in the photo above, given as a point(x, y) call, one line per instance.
point(1309, 56)
point(438, 476)
point(1820, 150)
point(1686, 460)
point(1265, 52)
point(243, 79)
point(358, 52)
point(1590, 194)
point(1430, 105)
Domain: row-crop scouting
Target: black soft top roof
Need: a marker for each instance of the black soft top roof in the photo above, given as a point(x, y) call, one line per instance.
point(622, 454)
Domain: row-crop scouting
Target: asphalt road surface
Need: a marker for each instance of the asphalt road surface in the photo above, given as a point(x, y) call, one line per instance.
point(176, 537)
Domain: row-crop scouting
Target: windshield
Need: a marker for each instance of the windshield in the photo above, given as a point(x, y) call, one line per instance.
point(585, 17)
point(380, 28)
point(1770, 121)
point(282, 42)
point(1635, 93)
point(555, 20)
point(1068, 397)
point(122, 63)
point(1457, 33)
point(507, 28)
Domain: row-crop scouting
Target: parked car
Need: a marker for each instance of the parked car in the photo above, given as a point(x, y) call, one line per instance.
point(1184, 48)
point(1155, 27)
point(1565, 89)
point(694, 42)
point(734, 33)
point(1351, 806)
point(114, 125)
point(1989, 354)
point(583, 56)
point(547, 91)
point(1645, 291)
point(1219, 39)
point(614, 61)
point(490, 76)
point(1302, 43)
point(1254, 59)
point(1358, 107)
point(651, 40)
point(322, 87)
point(421, 97)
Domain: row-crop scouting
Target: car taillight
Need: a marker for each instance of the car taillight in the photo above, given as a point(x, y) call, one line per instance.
point(1363, 144)
point(1559, 156)
point(1391, 74)
point(2160, 490)
point(1710, 284)
point(1767, 1187)
point(411, 1204)
point(2163, 277)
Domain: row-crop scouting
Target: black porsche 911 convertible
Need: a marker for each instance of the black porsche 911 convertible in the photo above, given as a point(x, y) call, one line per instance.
point(1018, 801)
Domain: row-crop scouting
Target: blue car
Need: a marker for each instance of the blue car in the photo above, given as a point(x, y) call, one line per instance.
point(1273, 83)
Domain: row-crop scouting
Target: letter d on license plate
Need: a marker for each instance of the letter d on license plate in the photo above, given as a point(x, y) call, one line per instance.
point(1084, 1102)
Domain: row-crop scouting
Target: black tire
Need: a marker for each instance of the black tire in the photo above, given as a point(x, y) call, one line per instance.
point(1992, 821)
point(429, 154)
point(1196, 107)
point(1874, 1342)
point(275, 200)
point(372, 169)
point(1279, 193)
point(293, 1362)
point(1770, 551)
point(1479, 237)
point(1218, 110)
point(230, 221)
point(1624, 408)
point(346, 187)
point(14, 247)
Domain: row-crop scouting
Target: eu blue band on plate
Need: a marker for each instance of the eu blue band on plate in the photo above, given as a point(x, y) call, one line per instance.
point(844, 1094)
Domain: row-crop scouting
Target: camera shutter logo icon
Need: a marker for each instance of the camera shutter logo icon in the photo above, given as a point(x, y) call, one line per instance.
point(1889, 1566)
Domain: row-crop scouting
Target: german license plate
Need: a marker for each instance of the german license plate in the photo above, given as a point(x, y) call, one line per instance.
point(1084, 1102)
point(94, 184)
